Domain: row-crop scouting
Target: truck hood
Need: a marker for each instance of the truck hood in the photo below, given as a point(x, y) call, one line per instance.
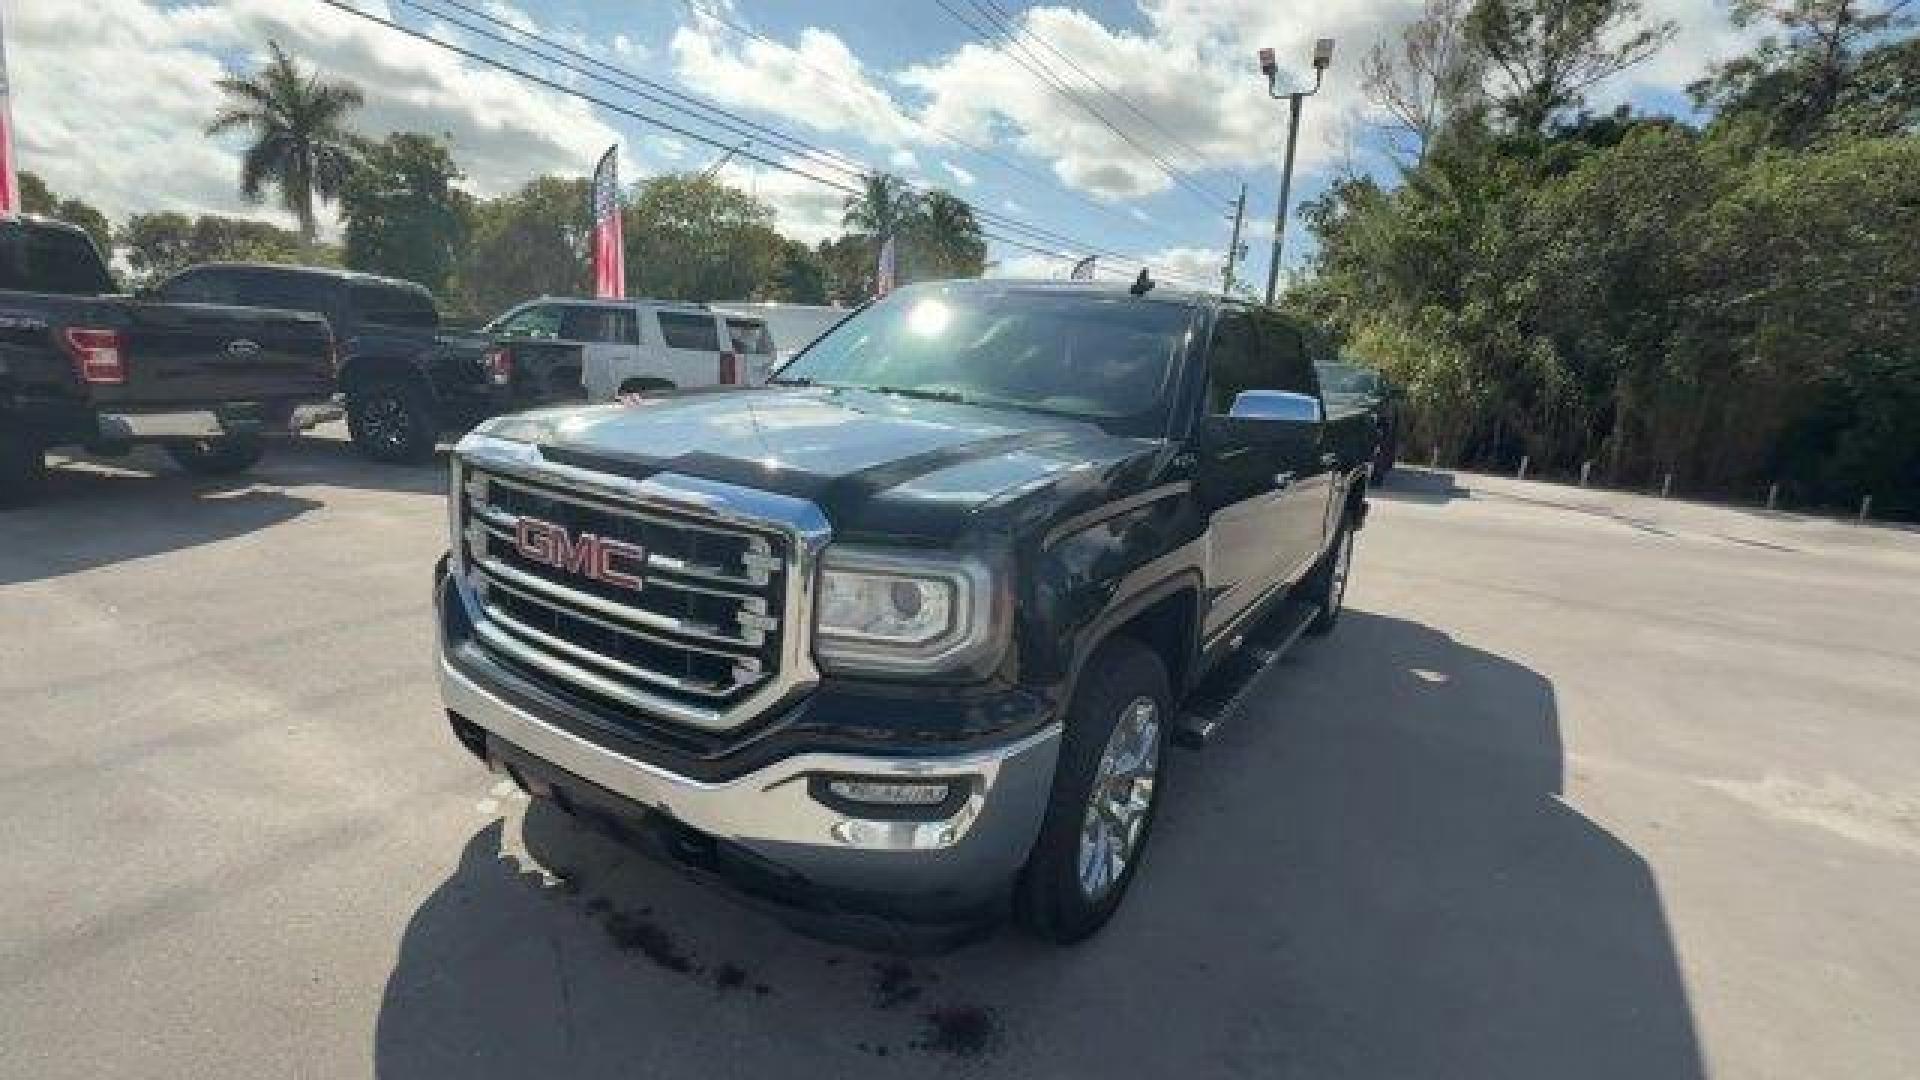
point(875, 463)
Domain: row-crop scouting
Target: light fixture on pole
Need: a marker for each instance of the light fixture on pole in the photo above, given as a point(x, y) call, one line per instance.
point(1322, 57)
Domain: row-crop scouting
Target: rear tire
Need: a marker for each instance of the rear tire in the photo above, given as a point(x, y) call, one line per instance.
point(1105, 794)
point(23, 470)
point(393, 422)
point(217, 457)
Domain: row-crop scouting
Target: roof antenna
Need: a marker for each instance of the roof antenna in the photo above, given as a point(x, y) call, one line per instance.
point(1142, 283)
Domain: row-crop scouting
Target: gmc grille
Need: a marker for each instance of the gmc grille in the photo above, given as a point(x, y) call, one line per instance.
point(701, 633)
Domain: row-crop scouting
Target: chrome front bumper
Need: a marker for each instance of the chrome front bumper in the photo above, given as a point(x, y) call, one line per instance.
point(771, 812)
point(242, 419)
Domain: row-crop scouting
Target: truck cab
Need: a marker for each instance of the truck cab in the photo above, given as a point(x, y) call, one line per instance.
point(906, 631)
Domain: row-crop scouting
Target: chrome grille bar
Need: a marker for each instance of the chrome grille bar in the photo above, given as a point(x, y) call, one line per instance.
point(752, 637)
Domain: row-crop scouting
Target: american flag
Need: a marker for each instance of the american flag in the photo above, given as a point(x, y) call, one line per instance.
point(9, 182)
point(609, 247)
point(883, 274)
point(1082, 270)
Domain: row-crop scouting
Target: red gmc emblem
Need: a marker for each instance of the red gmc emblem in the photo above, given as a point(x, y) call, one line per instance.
point(588, 555)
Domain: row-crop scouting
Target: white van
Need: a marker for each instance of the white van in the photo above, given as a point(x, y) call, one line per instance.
point(632, 346)
point(794, 326)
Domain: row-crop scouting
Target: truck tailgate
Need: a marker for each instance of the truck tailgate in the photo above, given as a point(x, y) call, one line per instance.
point(200, 353)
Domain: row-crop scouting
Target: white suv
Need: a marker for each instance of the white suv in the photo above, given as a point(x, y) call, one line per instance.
point(632, 346)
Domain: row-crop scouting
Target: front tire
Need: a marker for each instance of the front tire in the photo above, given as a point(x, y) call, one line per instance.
point(217, 457)
point(1105, 794)
point(393, 422)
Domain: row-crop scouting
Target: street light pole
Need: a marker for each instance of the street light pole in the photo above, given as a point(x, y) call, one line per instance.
point(1322, 56)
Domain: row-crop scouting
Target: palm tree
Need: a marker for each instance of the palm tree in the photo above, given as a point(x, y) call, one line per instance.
point(301, 143)
point(950, 235)
point(886, 206)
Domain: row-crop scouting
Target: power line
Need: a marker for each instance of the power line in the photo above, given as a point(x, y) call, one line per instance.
point(857, 171)
point(678, 129)
point(1006, 43)
point(958, 140)
point(1027, 30)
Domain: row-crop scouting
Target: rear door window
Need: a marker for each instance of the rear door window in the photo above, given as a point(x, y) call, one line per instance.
point(749, 337)
point(207, 285)
point(391, 305)
point(288, 291)
point(609, 325)
point(686, 330)
point(540, 322)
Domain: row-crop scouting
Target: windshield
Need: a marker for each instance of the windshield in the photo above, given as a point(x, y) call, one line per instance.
point(1098, 356)
point(1348, 379)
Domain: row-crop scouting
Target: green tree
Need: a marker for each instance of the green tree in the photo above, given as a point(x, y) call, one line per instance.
point(404, 216)
point(299, 140)
point(946, 239)
point(1823, 66)
point(847, 264)
point(158, 245)
point(1544, 55)
point(690, 237)
point(800, 279)
point(885, 206)
point(533, 242)
point(37, 198)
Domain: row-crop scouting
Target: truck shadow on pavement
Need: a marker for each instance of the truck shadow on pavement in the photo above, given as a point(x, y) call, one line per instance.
point(1413, 485)
point(89, 516)
point(1371, 874)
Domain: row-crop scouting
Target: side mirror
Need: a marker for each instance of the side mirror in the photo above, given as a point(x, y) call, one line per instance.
point(1277, 405)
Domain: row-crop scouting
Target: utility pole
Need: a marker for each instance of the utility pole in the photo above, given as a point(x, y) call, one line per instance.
point(1322, 56)
point(1233, 248)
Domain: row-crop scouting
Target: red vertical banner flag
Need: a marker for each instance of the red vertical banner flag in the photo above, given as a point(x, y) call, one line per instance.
point(609, 246)
point(9, 178)
point(883, 273)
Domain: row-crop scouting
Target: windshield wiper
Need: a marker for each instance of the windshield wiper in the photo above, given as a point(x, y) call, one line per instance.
point(924, 395)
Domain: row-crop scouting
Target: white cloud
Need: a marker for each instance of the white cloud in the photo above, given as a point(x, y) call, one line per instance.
point(133, 142)
point(804, 210)
point(960, 176)
point(902, 160)
point(818, 82)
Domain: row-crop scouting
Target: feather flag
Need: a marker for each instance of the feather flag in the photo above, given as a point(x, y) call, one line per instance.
point(9, 179)
point(883, 274)
point(609, 246)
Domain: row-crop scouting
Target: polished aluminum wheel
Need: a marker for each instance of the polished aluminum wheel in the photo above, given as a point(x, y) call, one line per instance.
point(1122, 796)
point(385, 421)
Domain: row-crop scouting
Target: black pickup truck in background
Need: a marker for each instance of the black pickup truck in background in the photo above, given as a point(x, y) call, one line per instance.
point(405, 379)
point(82, 367)
point(1350, 387)
point(903, 634)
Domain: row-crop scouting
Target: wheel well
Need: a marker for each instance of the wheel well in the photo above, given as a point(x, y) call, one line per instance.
point(358, 376)
point(1167, 626)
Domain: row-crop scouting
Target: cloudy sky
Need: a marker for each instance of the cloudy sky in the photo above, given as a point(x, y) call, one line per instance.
point(110, 98)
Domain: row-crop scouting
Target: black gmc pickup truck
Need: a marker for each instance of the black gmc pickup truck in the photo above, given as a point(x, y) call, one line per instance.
point(897, 642)
point(82, 367)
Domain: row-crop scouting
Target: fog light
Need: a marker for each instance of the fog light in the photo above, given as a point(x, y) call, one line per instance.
point(889, 792)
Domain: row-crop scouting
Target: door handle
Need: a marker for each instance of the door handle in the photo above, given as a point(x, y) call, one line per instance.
point(1282, 481)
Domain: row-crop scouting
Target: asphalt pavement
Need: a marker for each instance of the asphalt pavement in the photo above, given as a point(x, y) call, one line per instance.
point(1583, 785)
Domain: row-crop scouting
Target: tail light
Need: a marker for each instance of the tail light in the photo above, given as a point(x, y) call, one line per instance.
point(729, 369)
point(499, 364)
point(97, 355)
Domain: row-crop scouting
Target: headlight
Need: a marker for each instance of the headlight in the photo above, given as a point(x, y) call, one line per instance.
point(904, 612)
